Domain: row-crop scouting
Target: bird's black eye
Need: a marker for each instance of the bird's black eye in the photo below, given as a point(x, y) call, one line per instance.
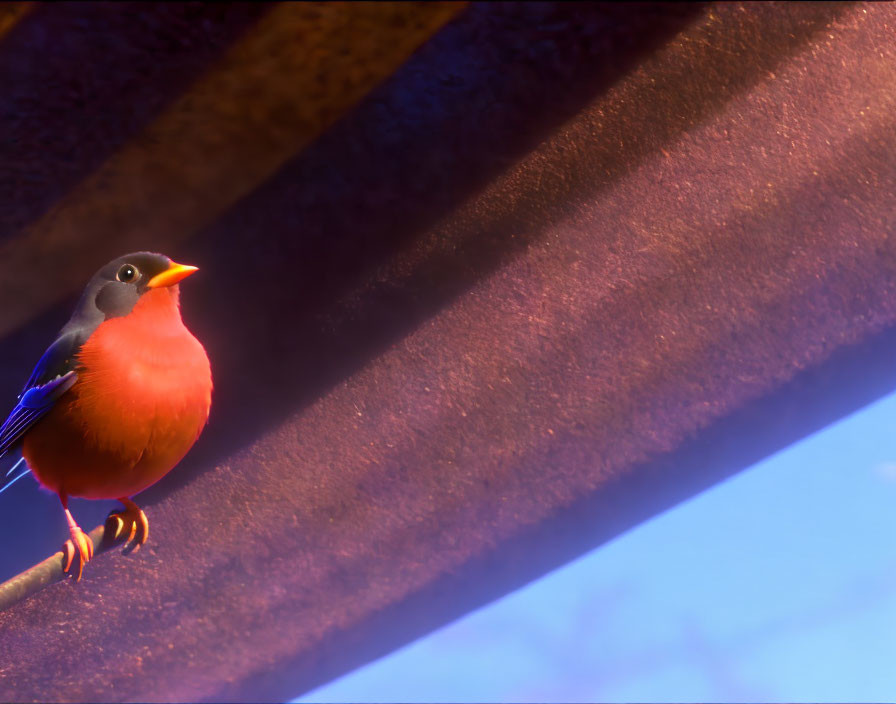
point(127, 273)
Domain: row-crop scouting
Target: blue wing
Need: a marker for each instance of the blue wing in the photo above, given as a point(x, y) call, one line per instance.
point(53, 375)
point(33, 404)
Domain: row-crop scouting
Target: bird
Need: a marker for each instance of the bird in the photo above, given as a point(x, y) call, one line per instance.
point(117, 400)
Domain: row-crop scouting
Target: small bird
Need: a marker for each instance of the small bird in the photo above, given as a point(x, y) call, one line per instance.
point(117, 400)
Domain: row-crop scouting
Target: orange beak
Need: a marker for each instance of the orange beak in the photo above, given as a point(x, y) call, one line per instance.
point(174, 273)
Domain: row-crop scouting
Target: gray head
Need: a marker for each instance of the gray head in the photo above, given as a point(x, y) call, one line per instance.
point(115, 289)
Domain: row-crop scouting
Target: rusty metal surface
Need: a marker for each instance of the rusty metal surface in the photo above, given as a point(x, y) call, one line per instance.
point(266, 97)
point(568, 266)
point(77, 80)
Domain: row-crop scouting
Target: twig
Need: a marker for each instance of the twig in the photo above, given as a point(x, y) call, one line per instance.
point(50, 571)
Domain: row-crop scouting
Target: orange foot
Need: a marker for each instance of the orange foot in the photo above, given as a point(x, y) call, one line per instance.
point(80, 544)
point(134, 520)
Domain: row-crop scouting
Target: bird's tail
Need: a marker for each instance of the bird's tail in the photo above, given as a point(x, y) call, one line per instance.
point(17, 477)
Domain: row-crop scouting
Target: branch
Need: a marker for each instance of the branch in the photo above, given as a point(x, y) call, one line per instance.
point(45, 573)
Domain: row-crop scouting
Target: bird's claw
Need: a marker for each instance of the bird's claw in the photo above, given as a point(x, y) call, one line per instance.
point(80, 544)
point(132, 519)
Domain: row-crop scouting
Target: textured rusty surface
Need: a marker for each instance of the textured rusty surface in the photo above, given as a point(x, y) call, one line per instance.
point(77, 80)
point(273, 91)
point(568, 266)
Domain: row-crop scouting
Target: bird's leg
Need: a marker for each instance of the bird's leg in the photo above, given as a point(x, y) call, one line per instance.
point(79, 543)
point(133, 518)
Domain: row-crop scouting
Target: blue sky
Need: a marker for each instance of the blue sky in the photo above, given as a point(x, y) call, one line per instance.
point(778, 584)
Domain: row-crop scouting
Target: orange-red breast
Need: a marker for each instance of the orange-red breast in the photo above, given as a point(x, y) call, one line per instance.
point(119, 397)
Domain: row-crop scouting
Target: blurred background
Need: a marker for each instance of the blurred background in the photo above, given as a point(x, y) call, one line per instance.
point(791, 597)
point(525, 321)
